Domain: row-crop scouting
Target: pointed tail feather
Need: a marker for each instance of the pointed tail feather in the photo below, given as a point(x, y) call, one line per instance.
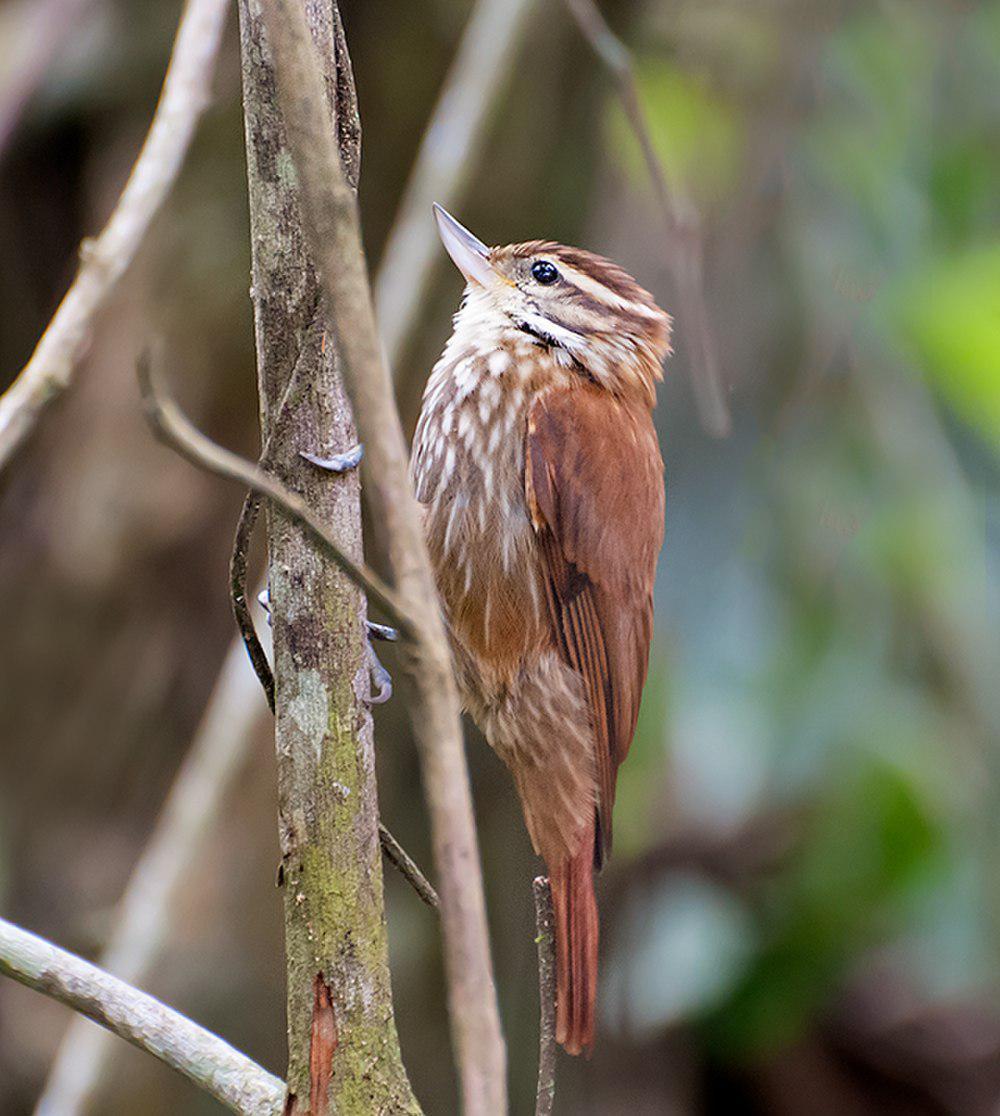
point(576, 930)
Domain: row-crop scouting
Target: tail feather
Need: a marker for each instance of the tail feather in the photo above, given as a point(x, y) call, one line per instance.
point(574, 911)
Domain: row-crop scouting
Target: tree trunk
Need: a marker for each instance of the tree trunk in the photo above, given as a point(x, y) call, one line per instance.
point(342, 1042)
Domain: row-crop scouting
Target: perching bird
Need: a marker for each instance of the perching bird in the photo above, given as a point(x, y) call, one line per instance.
point(537, 463)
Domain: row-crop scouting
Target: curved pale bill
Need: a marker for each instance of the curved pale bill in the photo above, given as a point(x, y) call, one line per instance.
point(469, 253)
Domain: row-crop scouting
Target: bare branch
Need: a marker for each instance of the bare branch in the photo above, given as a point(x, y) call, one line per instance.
point(680, 218)
point(144, 920)
point(212, 1064)
point(335, 931)
point(395, 852)
point(545, 1095)
point(330, 216)
point(105, 260)
point(241, 546)
point(174, 429)
point(443, 163)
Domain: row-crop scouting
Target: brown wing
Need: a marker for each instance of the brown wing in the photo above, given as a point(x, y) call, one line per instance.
point(594, 480)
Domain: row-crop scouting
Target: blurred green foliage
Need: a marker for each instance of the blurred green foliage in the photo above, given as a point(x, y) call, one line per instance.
point(696, 132)
point(839, 671)
point(950, 312)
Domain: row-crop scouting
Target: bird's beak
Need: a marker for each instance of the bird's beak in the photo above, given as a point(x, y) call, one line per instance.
point(470, 255)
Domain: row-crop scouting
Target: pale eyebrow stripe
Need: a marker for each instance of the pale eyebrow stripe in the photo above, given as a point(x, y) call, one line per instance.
point(583, 282)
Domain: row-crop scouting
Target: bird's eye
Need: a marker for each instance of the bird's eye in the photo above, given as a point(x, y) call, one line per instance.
point(544, 272)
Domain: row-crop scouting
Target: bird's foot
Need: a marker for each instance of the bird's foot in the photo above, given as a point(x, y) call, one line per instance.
point(381, 678)
point(339, 462)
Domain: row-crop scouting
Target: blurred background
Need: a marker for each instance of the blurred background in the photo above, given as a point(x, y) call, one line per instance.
point(803, 911)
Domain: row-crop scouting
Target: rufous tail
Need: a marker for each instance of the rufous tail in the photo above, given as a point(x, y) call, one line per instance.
point(574, 910)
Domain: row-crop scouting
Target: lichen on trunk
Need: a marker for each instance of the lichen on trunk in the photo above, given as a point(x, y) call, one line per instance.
point(342, 1033)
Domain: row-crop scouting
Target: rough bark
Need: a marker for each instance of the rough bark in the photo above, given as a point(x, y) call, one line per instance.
point(333, 225)
point(343, 1048)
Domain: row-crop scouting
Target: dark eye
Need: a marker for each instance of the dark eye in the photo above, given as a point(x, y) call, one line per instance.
point(544, 272)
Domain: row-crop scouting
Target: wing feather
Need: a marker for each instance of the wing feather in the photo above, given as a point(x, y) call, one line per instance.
point(594, 481)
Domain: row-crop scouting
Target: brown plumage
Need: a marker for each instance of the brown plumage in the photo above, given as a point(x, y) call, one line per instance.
point(537, 462)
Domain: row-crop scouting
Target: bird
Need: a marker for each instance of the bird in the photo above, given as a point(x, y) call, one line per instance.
point(537, 467)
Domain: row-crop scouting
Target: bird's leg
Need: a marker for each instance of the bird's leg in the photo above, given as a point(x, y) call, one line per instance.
point(339, 462)
point(381, 678)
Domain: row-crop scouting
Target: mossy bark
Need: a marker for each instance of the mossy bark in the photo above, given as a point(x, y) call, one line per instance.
point(343, 1048)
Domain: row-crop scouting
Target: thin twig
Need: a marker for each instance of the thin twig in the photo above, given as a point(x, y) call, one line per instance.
point(238, 596)
point(105, 260)
point(680, 218)
point(241, 548)
point(545, 1095)
point(212, 1064)
point(173, 428)
point(443, 164)
point(395, 852)
point(332, 225)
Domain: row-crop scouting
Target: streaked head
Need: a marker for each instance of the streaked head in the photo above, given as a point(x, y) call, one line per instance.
point(572, 301)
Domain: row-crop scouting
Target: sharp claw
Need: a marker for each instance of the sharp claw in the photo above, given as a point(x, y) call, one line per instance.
point(384, 681)
point(381, 631)
point(339, 462)
point(380, 678)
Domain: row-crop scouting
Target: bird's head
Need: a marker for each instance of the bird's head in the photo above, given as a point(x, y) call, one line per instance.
point(585, 309)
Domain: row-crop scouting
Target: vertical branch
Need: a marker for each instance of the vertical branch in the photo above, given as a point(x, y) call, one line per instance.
point(332, 224)
point(680, 218)
point(545, 1095)
point(233, 716)
point(343, 1047)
